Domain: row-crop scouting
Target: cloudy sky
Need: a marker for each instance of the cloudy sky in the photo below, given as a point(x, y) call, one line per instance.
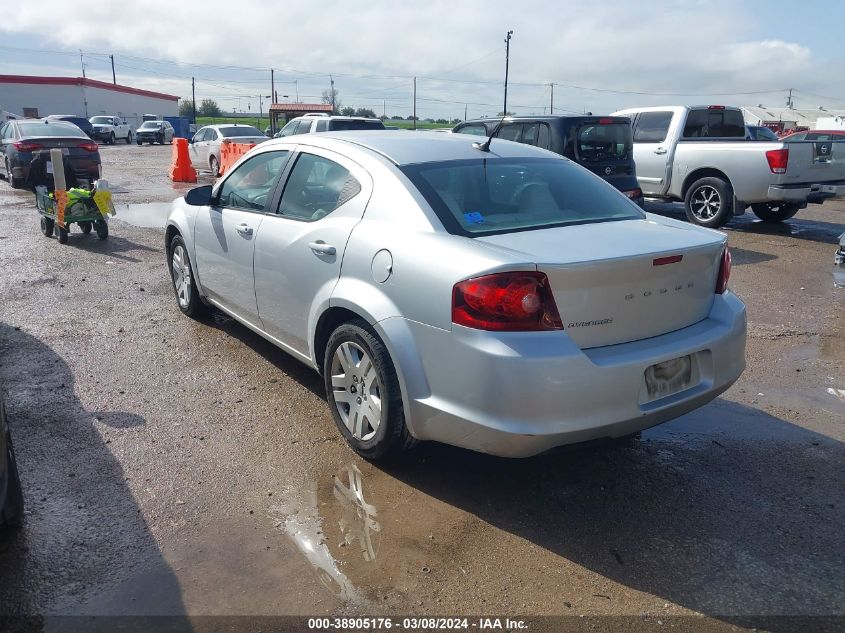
point(602, 56)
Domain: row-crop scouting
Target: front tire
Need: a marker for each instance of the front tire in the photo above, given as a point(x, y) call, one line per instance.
point(774, 212)
point(215, 166)
point(11, 514)
point(112, 139)
point(709, 202)
point(47, 226)
point(182, 275)
point(86, 227)
point(102, 228)
point(363, 392)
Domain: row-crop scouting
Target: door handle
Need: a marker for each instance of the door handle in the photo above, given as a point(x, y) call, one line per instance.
point(660, 150)
point(321, 248)
point(244, 229)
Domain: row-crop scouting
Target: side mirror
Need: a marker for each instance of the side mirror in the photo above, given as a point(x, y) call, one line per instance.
point(199, 196)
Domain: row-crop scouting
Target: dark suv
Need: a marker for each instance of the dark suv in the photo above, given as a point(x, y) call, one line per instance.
point(602, 144)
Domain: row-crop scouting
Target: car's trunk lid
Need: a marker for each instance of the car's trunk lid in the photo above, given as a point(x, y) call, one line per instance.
point(616, 282)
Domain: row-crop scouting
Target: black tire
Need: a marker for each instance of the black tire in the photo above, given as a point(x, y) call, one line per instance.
point(11, 514)
point(112, 139)
point(86, 227)
point(129, 138)
point(47, 226)
point(140, 142)
point(15, 183)
point(214, 165)
point(63, 233)
point(391, 437)
point(160, 139)
point(102, 228)
point(774, 212)
point(193, 306)
point(709, 202)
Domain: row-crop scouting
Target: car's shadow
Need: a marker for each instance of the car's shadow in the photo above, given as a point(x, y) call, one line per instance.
point(729, 512)
point(85, 547)
point(114, 246)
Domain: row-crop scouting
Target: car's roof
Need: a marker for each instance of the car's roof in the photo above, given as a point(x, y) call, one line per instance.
point(404, 147)
point(217, 126)
point(542, 117)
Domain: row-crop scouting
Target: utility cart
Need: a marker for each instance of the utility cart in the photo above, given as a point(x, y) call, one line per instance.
point(81, 209)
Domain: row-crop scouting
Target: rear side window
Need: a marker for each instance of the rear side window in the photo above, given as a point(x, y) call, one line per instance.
point(490, 196)
point(322, 126)
point(599, 143)
point(342, 125)
point(652, 127)
point(476, 129)
point(510, 131)
point(707, 123)
point(316, 187)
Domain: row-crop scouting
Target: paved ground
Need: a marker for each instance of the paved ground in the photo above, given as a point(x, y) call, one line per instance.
point(173, 467)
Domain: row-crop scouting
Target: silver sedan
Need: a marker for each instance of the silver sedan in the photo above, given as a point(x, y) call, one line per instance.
point(495, 297)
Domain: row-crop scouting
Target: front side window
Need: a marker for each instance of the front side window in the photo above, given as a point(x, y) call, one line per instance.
point(505, 195)
point(652, 127)
point(544, 138)
point(200, 136)
point(289, 129)
point(304, 127)
point(316, 187)
point(248, 187)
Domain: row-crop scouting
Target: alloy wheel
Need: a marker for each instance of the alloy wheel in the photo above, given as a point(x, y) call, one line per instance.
point(181, 275)
point(356, 390)
point(705, 203)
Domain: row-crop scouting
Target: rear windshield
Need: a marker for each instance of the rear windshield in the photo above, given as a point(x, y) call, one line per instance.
point(714, 123)
point(602, 143)
point(150, 125)
point(339, 125)
point(240, 130)
point(50, 128)
point(505, 195)
point(99, 120)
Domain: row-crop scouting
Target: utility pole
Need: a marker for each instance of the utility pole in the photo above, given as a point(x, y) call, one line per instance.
point(383, 108)
point(332, 92)
point(82, 63)
point(194, 99)
point(272, 100)
point(465, 112)
point(296, 87)
point(507, 61)
point(552, 103)
point(415, 103)
point(789, 100)
point(113, 76)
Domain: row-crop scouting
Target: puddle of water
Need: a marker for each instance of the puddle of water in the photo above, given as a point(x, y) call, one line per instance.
point(151, 215)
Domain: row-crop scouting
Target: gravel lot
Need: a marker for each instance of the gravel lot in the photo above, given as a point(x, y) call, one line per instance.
point(174, 467)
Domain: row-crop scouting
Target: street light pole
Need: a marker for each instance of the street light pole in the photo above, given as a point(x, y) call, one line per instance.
point(507, 61)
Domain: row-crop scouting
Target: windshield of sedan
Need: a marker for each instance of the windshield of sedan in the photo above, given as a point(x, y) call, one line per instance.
point(240, 130)
point(504, 195)
point(102, 120)
point(150, 125)
point(50, 128)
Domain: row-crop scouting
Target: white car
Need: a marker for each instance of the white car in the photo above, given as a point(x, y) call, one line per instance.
point(204, 147)
point(500, 298)
point(110, 129)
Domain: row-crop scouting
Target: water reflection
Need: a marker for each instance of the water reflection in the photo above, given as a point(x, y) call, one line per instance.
point(302, 517)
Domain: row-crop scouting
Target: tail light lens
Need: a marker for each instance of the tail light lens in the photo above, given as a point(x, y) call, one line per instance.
point(89, 146)
point(778, 158)
point(606, 121)
point(724, 272)
point(506, 302)
point(26, 146)
point(634, 193)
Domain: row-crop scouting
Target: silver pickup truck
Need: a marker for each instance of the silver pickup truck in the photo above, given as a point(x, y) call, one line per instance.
point(699, 155)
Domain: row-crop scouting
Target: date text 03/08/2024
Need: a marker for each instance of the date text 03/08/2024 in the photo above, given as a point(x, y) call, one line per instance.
point(416, 623)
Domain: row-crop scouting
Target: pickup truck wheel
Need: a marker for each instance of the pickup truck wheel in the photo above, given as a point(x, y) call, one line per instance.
point(111, 139)
point(709, 202)
point(129, 138)
point(774, 212)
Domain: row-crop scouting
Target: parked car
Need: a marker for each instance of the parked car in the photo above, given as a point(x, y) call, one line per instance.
point(699, 155)
point(11, 495)
point(759, 133)
point(81, 122)
point(484, 299)
point(601, 144)
point(839, 262)
point(19, 140)
point(311, 123)
point(204, 148)
point(816, 135)
point(160, 132)
point(111, 128)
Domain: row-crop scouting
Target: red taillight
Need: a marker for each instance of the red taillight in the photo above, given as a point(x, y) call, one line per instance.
point(512, 301)
point(778, 158)
point(89, 146)
point(715, 107)
point(606, 121)
point(724, 272)
point(663, 261)
point(26, 146)
point(634, 193)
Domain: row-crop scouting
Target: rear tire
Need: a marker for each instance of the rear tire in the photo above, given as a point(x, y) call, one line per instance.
point(774, 212)
point(86, 227)
point(140, 142)
point(356, 401)
point(709, 202)
point(102, 228)
point(47, 226)
point(129, 138)
point(11, 514)
point(112, 139)
point(182, 275)
point(15, 183)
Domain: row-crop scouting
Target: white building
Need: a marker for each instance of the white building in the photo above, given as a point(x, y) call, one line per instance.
point(787, 118)
point(27, 96)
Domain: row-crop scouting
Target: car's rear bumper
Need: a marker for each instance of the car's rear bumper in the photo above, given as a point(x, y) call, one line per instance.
point(519, 394)
point(87, 169)
point(806, 192)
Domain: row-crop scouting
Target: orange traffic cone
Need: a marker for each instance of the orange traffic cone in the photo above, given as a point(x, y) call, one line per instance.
point(181, 169)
